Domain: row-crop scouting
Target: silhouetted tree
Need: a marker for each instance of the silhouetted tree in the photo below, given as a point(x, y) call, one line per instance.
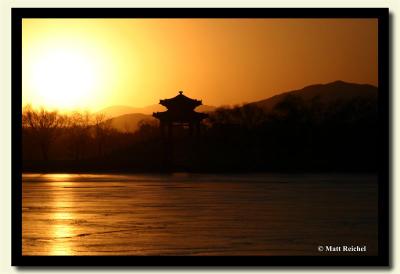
point(44, 127)
point(102, 132)
point(296, 134)
point(78, 129)
point(148, 130)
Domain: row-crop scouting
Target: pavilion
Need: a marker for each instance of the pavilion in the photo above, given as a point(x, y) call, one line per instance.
point(180, 112)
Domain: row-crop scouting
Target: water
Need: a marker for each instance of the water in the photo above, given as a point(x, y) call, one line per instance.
point(187, 214)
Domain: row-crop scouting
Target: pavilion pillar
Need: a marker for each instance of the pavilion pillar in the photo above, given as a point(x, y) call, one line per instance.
point(191, 128)
point(198, 133)
point(162, 129)
point(180, 112)
point(169, 131)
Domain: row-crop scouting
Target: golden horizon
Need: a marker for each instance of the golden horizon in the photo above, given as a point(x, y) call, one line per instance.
point(92, 64)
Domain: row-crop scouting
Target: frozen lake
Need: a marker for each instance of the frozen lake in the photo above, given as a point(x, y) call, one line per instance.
point(198, 214)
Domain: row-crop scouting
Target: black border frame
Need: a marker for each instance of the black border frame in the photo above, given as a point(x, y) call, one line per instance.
point(381, 14)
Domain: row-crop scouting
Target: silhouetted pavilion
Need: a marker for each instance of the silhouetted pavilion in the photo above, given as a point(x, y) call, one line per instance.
point(180, 112)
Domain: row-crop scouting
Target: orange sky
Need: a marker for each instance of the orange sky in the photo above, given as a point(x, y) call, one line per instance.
point(95, 63)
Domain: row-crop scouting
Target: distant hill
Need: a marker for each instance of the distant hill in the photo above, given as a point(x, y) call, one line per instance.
point(205, 108)
point(115, 111)
point(125, 118)
point(130, 122)
point(325, 93)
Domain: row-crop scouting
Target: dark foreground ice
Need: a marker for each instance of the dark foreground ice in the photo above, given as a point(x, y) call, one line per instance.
point(192, 214)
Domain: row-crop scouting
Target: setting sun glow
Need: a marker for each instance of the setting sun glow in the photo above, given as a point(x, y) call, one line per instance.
point(91, 64)
point(64, 78)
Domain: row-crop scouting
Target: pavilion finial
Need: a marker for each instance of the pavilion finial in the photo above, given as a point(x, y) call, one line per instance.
point(180, 92)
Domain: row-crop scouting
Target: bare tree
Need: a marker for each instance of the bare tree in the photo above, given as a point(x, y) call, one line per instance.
point(44, 127)
point(79, 125)
point(102, 128)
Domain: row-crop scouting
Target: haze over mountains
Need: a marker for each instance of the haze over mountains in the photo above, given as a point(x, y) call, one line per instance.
point(125, 118)
point(330, 127)
point(115, 111)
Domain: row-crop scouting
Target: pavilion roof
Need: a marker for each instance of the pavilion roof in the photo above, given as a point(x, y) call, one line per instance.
point(180, 101)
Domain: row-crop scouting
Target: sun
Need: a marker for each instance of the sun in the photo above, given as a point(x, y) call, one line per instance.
point(64, 78)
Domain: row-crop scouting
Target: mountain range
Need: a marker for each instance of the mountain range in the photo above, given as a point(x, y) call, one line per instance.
point(115, 111)
point(125, 118)
point(325, 93)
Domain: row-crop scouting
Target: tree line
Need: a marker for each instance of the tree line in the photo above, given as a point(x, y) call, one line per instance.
point(50, 135)
point(296, 135)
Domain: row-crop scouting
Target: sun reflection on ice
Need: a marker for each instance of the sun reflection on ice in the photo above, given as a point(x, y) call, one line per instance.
point(61, 229)
point(55, 177)
point(61, 244)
